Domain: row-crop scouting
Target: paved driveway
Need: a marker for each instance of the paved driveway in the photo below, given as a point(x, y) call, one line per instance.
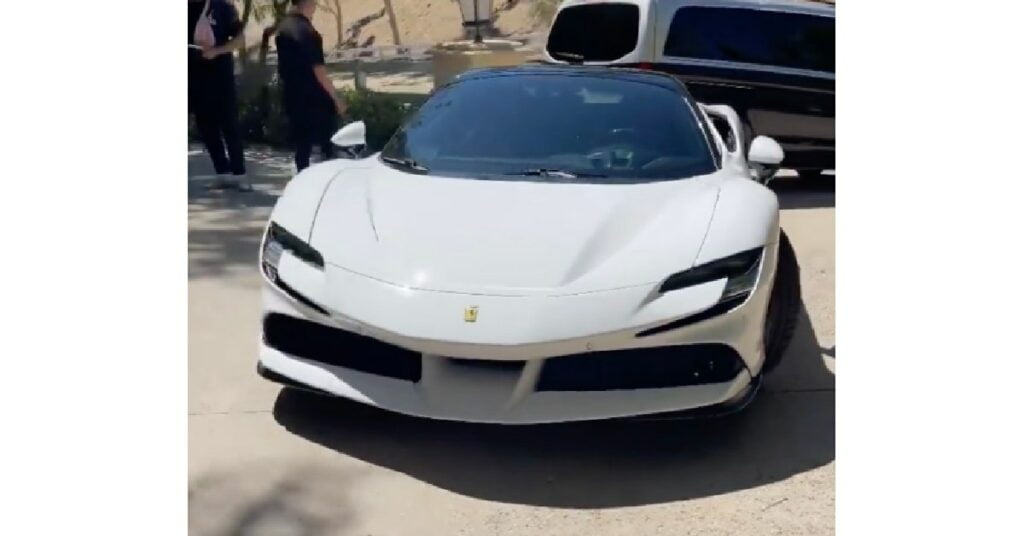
point(263, 461)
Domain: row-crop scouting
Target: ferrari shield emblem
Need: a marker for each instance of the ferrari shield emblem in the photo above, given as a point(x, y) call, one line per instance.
point(469, 314)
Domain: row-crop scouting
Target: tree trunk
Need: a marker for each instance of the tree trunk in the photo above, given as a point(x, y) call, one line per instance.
point(268, 32)
point(280, 10)
point(246, 11)
point(243, 53)
point(339, 23)
point(393, 21)
point(334, 8)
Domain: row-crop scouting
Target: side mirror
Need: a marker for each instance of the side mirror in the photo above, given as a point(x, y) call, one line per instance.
point(765, 157)
point(765, 151)
point(351, 137)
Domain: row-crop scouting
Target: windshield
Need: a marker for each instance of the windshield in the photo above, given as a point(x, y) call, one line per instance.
point(554, 127)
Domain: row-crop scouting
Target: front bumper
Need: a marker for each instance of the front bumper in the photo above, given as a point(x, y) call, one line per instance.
point(493, 375)
point(449, 392)
point(736, 403)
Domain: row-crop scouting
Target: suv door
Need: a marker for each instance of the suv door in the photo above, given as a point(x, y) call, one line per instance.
point(775, 68)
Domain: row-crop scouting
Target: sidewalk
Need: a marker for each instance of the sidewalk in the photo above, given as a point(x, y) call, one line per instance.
point(388, 76)
point(225, 226)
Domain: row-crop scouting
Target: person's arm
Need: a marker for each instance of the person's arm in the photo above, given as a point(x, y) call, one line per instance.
point(232, 45)
point(320, 71)
point(235, 33)
point(316, 58)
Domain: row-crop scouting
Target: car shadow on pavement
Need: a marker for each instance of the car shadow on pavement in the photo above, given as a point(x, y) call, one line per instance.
point(788, 429)
point(298, 501)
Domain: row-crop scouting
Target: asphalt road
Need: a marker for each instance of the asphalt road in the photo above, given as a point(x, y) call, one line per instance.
point(267, 461)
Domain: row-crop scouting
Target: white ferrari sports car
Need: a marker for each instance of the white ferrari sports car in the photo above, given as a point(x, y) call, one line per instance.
point(535, 244)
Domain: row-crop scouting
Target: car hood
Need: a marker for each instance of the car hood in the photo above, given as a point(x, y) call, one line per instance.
point(516, 237)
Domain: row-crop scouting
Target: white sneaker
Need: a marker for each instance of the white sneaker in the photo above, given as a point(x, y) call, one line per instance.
point(222, 181)
point(241, 183)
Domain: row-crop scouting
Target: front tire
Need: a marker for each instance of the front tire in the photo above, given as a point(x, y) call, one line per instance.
point(783, 306)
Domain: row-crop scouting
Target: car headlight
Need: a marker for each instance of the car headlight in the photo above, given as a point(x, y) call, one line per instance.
point(277, 241)
point(740, 270)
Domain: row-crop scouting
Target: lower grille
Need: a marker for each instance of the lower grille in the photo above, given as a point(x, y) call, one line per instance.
point(338, 347)
point(643, 368)
point(484, 364)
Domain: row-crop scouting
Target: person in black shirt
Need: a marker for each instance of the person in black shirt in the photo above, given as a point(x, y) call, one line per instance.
point(310, 101)
point(211, 91)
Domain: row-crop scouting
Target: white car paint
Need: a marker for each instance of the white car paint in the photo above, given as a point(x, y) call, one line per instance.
point(351, 135)
point(553, 269)
point(427, 233)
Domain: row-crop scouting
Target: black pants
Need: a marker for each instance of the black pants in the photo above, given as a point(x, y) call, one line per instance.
point(216, 111)
point(311, 126)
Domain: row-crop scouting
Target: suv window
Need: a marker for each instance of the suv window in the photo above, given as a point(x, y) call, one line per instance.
point(794, 40)
point(594, 32)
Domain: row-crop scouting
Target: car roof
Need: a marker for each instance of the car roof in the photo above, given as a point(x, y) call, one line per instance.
point(814, 7)
point(811, 7)
point(595, 71)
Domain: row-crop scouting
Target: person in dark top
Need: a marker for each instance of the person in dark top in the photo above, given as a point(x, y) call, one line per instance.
point(212, 96)
point(310, 101)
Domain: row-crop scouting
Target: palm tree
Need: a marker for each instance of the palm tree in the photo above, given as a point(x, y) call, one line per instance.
point(334, 8)
point(246, 11)
point(393, 21)
point(269, 8)
point(255, 76)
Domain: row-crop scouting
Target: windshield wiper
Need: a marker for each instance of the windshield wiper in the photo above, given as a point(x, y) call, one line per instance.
point(559, 173)
point(568, 56)
point(407, 163)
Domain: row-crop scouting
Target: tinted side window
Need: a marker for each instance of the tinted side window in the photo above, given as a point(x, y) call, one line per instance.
point(722, 126)
point(596, 32)
point(763, 37)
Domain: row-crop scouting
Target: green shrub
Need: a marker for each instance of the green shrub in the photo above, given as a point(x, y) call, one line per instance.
point(382, 113)
point(262, 118)
point(261, 115)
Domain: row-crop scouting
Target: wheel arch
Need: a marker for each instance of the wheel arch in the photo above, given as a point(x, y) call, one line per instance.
point(746, 216)
point(297, 207)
